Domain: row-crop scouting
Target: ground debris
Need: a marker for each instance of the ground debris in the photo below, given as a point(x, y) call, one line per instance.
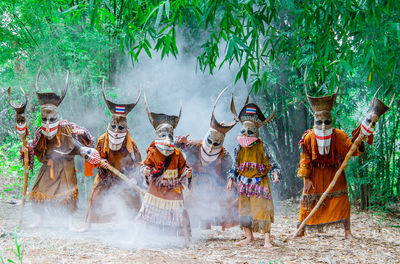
point(54, 244)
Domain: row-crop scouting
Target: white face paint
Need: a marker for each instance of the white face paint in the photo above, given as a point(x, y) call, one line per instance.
point(115, 139)
point(21, 128)
point(164, 146)
point(50, 130)
point(369, 123)
point(211, 145)
point(164, 139)
point(324, 138)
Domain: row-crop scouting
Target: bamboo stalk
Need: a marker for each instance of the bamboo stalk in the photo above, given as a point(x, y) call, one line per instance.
point(361, 137)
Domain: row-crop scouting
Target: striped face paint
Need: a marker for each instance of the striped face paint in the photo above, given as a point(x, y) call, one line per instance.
point(369, 123)
point(21, 128)
point(50, 120)
point(117, 130)
point(323, 131)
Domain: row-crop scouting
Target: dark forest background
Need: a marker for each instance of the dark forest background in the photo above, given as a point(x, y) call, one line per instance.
point(349, 45)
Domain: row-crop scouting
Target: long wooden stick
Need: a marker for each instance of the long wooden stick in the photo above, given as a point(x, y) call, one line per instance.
point(361, 137)
point(26, 176)
point(107, 166)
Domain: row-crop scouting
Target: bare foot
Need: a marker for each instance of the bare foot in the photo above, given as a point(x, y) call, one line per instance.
point(267, 243)
point(348, 235)
point(246, 241)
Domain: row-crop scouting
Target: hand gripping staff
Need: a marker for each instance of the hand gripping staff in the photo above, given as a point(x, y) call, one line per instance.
point(90, 154)
point(377, 109)
point(22, 129)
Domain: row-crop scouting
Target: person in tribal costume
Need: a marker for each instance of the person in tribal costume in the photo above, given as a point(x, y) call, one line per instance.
point(165, 171)
point(323, 150)
point(252, 163)
point(208, 202)
point(120, 150)
point(54, 145)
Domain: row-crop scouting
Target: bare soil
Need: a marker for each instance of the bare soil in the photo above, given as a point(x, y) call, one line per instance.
point(376, 241)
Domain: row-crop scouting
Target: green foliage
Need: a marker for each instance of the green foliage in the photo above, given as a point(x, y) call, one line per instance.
point(353, 45)
point(18, 252)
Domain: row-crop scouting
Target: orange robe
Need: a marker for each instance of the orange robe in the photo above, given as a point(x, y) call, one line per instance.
point(321, 169)
point(109, 187)
point(163, 205)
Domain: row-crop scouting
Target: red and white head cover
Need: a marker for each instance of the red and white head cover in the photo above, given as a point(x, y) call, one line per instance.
point(50, 129)
point(324, 138)
point(365, 129)
point(116, 138)
point(21, 128)
point(246, 141)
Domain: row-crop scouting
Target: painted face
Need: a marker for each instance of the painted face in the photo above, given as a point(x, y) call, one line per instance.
point(323, 128)
point(21, 125)
point(117, 130)
point(50, 120)
point(164, 139)
point(249, 129)
point(212, 145)
point(369, 123)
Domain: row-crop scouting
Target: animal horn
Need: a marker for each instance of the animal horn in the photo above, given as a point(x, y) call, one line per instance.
point(233, 110)
point(148, 111)
point(270, 117)
point(64, 92)
point(17, 106)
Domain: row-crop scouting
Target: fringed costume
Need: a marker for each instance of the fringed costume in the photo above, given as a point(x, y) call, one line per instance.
point(126, 160)
point(321, 169)
point(209, 202)
point(120, 151)
point(163, 204)
point(251, 168)
point(56, 180)
point(252, 163)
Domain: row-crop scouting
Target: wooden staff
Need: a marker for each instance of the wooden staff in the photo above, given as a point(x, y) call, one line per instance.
point(20, 116)
point(104, 164)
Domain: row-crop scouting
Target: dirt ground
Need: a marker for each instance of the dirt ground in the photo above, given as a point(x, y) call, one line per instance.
point(376, 241)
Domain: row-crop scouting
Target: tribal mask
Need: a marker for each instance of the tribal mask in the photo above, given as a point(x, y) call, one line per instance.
point(118, 127)
point(376, 109)
point(21, 124)
point(212, 145)
point(164, 126)
point(252, 119)
point(214, 139)
point(49, 103)
point(50, 120)
point(165, 139)
point(323, 127)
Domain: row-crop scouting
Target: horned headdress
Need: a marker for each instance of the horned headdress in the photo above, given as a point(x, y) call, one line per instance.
point(50, 98)
point(120, 109)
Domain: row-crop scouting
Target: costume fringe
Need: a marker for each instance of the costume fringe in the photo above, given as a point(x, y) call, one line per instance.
point(327, 226)
point(257, 225)
point(66, 197)
point(162, 212)
point(309, 200)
